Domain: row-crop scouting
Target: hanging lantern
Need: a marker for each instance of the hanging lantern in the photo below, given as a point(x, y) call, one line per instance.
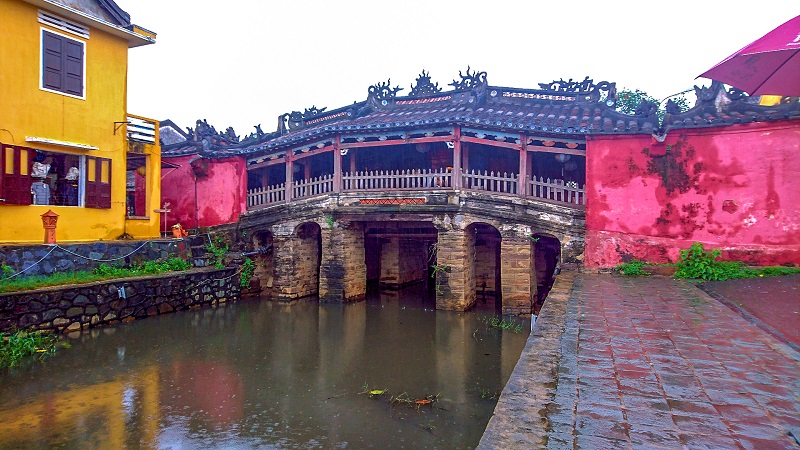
point(570, 166)
point(561, 157)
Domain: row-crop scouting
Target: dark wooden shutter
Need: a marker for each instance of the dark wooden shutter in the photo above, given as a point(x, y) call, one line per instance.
point(98, 183)
point(73, 67)
point(15, 174)
point(62, 60)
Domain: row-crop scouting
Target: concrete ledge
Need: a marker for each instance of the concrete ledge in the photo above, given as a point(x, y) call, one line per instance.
point(520, 417)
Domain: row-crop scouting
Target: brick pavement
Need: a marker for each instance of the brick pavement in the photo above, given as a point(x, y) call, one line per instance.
point(647, 363)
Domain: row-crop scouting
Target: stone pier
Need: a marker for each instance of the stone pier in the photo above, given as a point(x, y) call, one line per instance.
point(517, 274)
point(455, 277)
point(297, 260)
point(343, 270)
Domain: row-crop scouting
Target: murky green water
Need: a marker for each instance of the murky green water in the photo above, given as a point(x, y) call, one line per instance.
point(258, 374)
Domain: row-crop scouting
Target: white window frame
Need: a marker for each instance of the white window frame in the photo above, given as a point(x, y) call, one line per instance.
point(41, 63)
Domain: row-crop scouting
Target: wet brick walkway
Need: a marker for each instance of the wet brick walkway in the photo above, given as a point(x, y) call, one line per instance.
point(648, 363)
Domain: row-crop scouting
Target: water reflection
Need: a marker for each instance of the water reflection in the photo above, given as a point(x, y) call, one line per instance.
point(262, 374)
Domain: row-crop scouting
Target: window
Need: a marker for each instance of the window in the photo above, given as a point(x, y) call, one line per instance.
point(29, 176)
point(62, 64)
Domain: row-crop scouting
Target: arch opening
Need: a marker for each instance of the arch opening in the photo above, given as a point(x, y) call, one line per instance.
point(547, 261)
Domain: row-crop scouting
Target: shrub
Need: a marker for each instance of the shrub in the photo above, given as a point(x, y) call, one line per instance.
point(632, 268)
point(248, 268)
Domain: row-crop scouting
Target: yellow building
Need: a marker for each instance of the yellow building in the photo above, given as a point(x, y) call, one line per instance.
point(67, 142)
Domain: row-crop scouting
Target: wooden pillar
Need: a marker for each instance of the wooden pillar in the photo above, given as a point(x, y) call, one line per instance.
point(307, 169)
point(353, 152)
point(264, 177)
point(465, 156)
point(289, 175)
point(522, 180)
point(457, 157)
point(337, 166)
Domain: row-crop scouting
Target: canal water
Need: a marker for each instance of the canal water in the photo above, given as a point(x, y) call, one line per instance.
point(259, 374)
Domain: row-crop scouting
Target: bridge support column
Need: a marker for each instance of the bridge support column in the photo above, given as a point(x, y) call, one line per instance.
point(296, 259)
point(517, 274)
point(455, 270)
point(343, 272)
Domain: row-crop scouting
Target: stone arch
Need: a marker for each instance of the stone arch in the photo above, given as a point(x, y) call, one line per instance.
point(485, 260)
point(547, 264)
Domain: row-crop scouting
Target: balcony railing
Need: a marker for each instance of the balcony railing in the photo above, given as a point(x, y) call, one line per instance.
point(507, 184)
point(397, 180)
point(266, 196)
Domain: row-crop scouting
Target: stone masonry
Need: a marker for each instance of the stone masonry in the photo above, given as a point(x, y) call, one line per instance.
point(343, 267)
point(518, 282)
point(71, 308)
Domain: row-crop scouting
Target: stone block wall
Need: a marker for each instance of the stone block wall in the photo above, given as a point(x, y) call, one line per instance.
point(403, 262)
point(75, 307)
point(456, 284)
point(297, 262)
point(518, 278)
point(41, 259)
point(343, 270)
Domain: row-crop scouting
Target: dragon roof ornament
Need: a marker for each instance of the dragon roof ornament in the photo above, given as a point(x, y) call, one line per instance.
point(469, 81)
point(424, 86)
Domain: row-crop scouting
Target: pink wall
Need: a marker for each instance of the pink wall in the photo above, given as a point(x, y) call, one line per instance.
point(221, 192)
point(734, 188)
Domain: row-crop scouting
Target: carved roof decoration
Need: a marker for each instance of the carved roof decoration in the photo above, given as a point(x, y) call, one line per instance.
point(469, 81)
point(424, 87)
point(560, 109)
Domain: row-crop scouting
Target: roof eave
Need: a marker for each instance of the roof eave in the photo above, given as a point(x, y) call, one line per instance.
point(134, 39)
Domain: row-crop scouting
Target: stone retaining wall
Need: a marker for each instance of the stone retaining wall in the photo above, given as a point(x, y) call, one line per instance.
point(70, 308)
point(41, 259)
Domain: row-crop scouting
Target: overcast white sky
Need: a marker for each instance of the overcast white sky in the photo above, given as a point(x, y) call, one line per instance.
point(244, 62)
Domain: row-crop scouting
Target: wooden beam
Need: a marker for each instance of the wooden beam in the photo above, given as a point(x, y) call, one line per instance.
point(289, 176)
point(475, 140)
point(566, 151)
point(397, 142)
point(271, 162)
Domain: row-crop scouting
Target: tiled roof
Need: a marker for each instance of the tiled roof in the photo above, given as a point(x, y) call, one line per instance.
point(559, 109)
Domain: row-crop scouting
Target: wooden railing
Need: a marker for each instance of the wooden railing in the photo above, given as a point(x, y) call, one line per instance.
point(397, 180)
point(266, 195)
point(312, 187)
point(490, 182)
point(554, 190)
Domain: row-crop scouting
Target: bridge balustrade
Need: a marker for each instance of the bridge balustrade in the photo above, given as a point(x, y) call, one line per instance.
point(552, 190)
point(312, 187)
point(400, 180)
point(267, 195)
point(490, 182)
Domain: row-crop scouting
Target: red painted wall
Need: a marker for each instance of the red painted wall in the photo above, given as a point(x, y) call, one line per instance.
point(221, 191)
point(735, 188)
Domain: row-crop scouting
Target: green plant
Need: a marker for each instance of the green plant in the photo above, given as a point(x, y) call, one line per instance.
point(697, 263)
point(248, 268)
point(20, 344)
point(218, 248)
point(629, 100)
point(330, 221)
point(632, 268)
point(7, 271)
point(437, 269)
point(503, 324)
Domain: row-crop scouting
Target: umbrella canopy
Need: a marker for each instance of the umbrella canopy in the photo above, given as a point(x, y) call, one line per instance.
point(767, 66)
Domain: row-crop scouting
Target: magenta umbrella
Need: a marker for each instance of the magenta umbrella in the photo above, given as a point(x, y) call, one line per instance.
point(768, 66)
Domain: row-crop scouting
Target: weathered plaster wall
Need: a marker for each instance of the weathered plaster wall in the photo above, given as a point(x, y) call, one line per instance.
point(735, 188)
point(221, 191)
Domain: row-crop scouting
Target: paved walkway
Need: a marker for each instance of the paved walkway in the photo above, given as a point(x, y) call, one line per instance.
point(653, 362)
